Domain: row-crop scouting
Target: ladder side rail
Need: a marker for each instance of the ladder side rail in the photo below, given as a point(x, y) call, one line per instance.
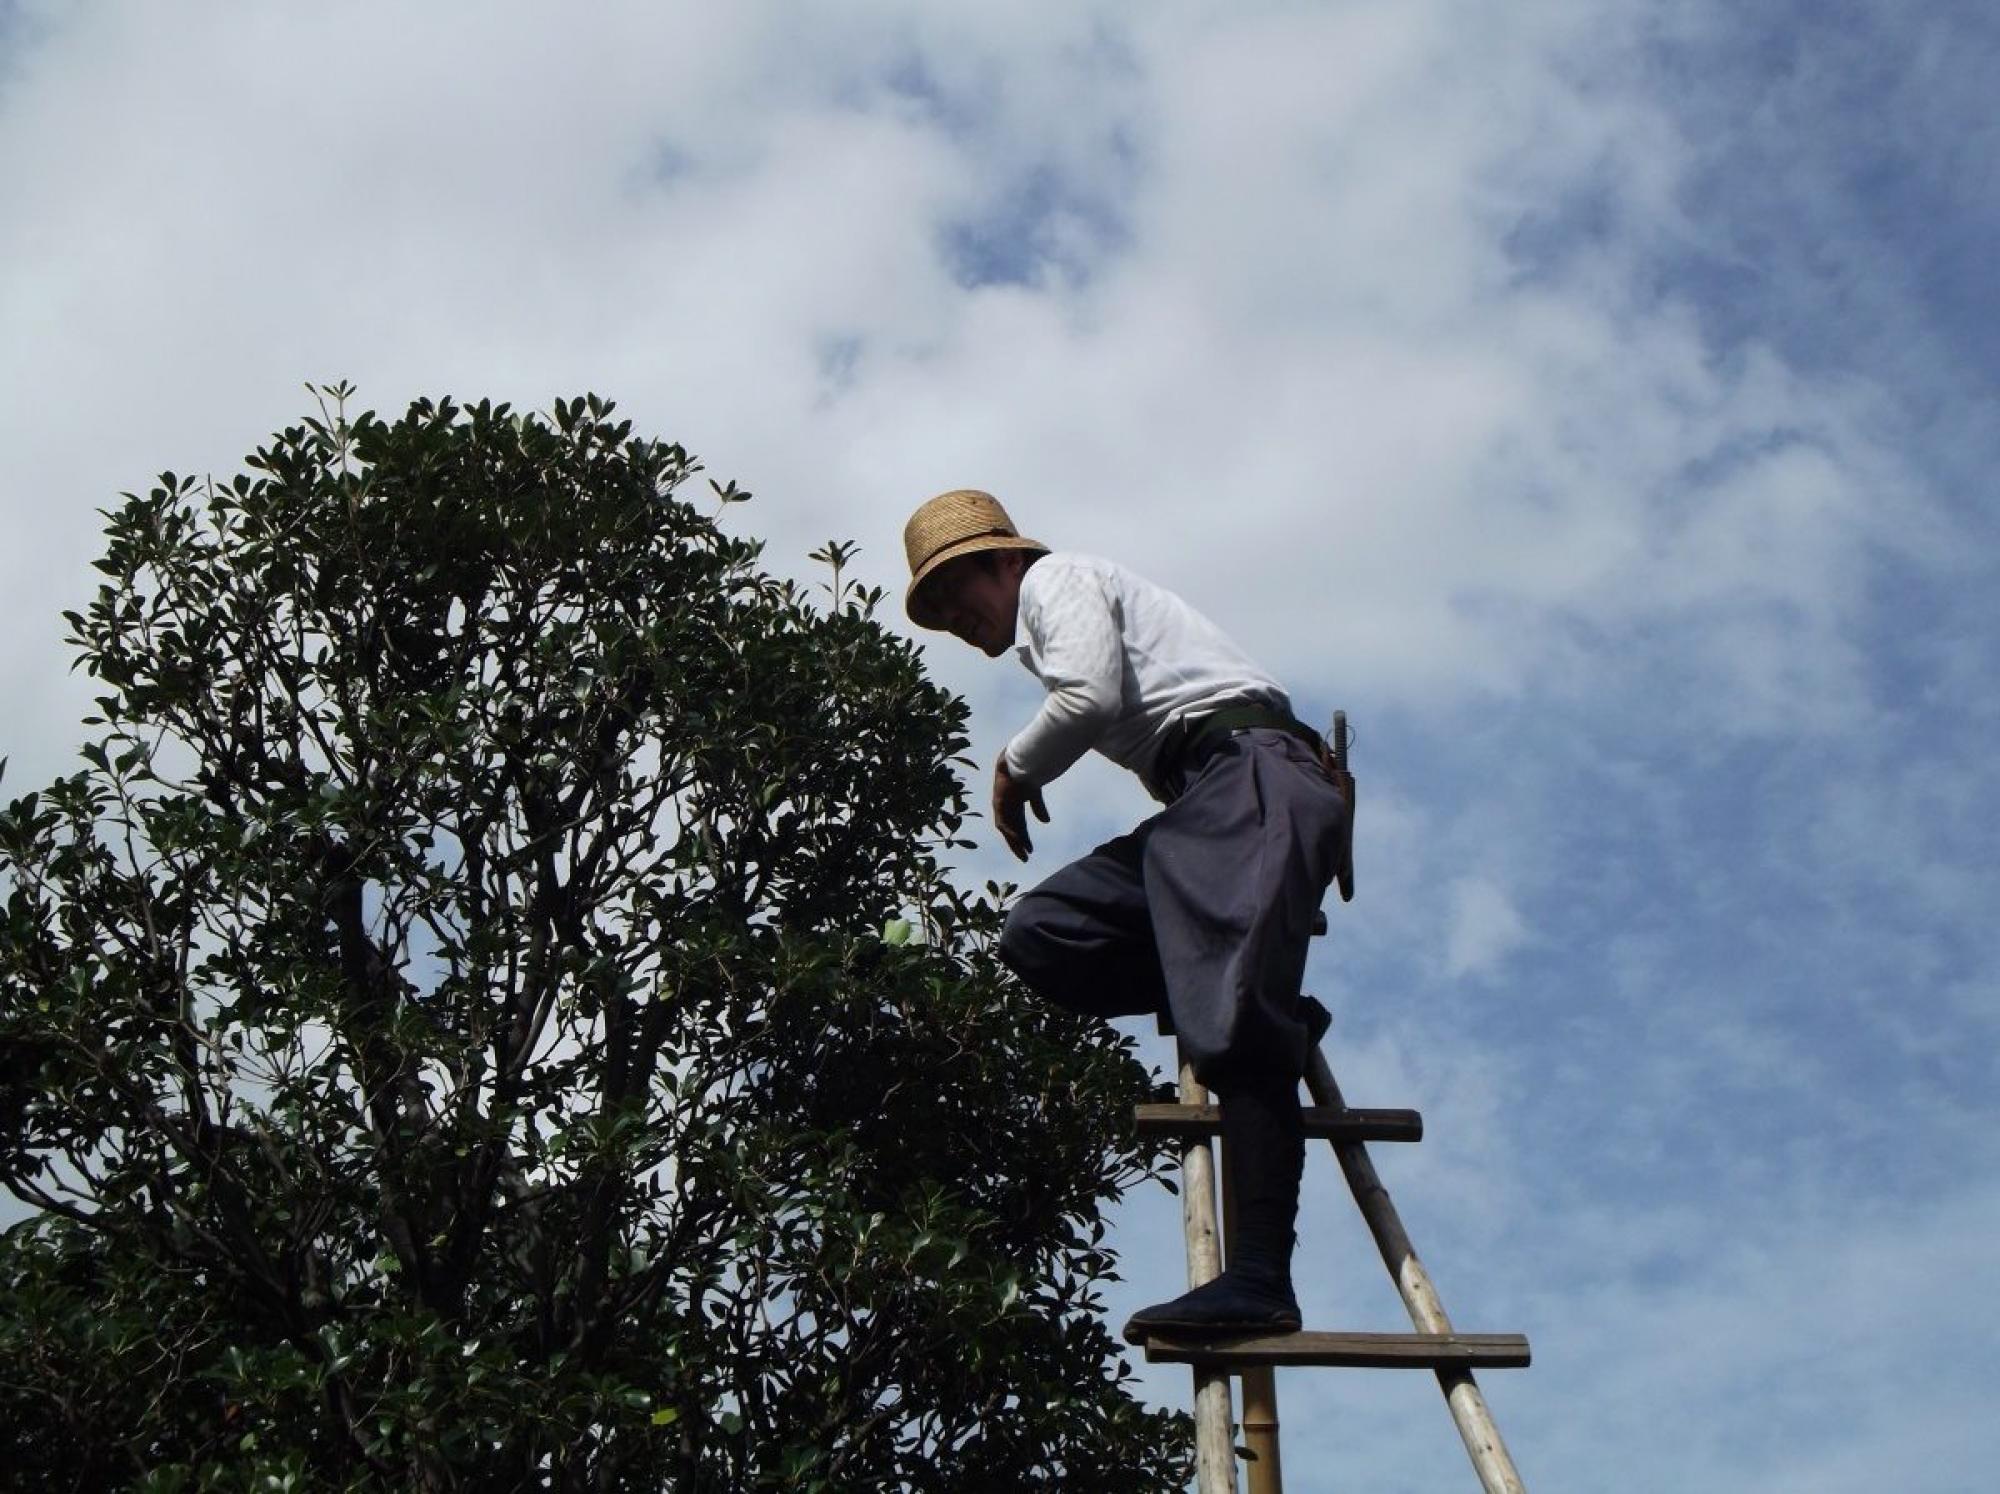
point(1476, 1427)
point(1214, 1445)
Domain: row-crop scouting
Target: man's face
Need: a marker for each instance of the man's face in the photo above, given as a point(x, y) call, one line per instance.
point(978, 603)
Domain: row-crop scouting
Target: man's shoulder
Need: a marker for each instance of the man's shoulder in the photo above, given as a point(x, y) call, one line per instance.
point(1068, 567)
point(1051, 573)
point(1067, 574)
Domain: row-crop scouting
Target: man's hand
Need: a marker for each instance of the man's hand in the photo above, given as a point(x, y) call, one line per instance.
point(1011, 797)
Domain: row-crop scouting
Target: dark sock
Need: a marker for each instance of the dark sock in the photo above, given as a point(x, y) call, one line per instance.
point(1263, 1139)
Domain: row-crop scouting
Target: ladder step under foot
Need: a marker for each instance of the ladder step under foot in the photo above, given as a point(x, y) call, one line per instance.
point(1323, 1122)
point(1349, 1350)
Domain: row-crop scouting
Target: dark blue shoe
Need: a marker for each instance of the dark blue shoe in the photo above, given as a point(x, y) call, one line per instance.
point(1236, 1302)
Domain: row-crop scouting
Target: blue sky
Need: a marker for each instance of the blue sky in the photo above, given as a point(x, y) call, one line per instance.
point(1595, 400)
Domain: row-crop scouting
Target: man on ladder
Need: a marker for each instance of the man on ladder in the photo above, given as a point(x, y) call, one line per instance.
point(1202, 913)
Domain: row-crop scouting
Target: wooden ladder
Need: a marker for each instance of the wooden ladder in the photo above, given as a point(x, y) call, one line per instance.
point(1434, 1346)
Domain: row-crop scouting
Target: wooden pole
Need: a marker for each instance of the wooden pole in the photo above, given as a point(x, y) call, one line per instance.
point(1260, 1382)
point(1476, 1428)
point(1214, 1449)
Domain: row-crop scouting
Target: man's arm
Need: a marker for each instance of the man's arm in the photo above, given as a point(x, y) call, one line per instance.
point(1073, 630)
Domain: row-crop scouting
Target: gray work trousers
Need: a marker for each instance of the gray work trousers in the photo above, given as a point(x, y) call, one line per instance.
point(1203, 912)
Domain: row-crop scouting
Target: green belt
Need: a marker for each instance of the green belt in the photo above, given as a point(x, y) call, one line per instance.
point(1182, 749)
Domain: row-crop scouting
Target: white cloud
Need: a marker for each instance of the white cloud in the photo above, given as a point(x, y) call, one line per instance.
point(1485, 929)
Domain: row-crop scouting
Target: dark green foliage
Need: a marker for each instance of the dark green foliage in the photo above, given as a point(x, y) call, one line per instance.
point(461, 1026)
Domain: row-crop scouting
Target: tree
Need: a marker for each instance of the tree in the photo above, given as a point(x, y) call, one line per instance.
point(489, 1013)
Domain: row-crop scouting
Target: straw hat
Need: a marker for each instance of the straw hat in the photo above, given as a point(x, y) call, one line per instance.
point(961, 522)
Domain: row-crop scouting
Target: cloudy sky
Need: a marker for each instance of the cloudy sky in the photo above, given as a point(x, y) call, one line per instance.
point(1596, 400)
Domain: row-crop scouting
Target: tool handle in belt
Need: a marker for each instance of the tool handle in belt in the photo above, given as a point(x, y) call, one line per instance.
point(1336, 767)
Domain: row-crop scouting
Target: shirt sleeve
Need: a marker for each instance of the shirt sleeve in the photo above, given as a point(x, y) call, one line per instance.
point(1073, 630)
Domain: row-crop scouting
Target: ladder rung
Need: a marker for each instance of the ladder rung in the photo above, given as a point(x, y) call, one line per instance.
point(1323, 1122)
point(1350, 1350)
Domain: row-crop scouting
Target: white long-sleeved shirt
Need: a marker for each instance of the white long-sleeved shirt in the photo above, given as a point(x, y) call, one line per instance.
point(1123, 661)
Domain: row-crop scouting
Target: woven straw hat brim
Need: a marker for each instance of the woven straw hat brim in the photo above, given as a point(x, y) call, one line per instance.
point(918, 607)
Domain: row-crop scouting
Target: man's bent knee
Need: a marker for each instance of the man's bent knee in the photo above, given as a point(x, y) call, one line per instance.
point(1023, 946)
